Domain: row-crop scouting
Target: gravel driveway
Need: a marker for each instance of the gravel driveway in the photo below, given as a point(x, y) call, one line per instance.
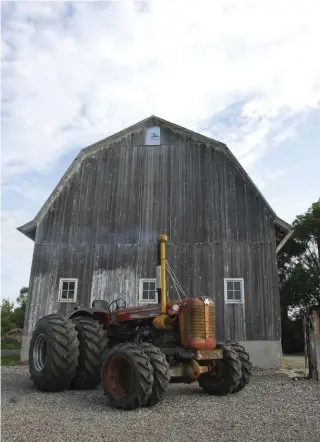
point(271, 408)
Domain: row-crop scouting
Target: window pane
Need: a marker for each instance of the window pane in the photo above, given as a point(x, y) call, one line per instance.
point(236, 285)
point(145, 294)
point(65, 285)
point(145, 285)
point(152, 295)
point(230, 294)
point(152, 285)
point(64, 294)
point(237, 295)
point(71, 285)
point(70, 294)
point(230, 285)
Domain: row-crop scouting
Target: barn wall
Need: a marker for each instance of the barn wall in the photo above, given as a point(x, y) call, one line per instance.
point(128, 194)
point(103, 228)
point(109, 272)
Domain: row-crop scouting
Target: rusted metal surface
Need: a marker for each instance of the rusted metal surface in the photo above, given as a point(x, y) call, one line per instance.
point(190, 370)
point(205, 355)
point(102, 228)
point(196, 330)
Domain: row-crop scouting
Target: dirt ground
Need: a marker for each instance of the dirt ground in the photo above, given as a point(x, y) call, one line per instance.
point(294, 363)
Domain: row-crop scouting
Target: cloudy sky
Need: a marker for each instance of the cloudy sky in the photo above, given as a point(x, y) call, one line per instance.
point(246, 73)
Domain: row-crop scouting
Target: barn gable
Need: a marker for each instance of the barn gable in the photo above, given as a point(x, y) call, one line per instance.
point(146, 133)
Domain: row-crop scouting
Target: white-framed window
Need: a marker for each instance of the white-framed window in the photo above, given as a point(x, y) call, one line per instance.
point(147, 291)
point(68, 289)
point(233, 290)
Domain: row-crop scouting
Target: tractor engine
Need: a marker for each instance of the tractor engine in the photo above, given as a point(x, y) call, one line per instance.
point(189, 333)
point(197, 324)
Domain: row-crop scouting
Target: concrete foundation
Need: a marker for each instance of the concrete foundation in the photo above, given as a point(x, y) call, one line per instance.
point(24, 354)
point(264, 354)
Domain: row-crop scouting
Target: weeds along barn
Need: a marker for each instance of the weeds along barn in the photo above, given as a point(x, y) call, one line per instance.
point(96, 235)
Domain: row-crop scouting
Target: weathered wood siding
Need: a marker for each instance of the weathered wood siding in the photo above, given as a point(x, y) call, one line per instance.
point(103, 229)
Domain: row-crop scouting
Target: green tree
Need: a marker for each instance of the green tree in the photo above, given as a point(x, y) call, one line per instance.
point(19, 312)
point(13, 317)
point(299, 263)
point(6, 316)
point(22, 298)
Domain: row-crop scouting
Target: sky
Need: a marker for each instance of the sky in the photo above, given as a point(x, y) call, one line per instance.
point(245, 73)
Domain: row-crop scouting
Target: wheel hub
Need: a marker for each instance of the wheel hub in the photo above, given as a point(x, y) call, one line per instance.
point(118, 376)
point(40, 352)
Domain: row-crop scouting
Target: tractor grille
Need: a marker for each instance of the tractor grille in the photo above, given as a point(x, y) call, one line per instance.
point(198, 325)
point(195, 322)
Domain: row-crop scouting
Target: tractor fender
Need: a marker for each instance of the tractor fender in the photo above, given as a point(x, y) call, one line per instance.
point(98, 314)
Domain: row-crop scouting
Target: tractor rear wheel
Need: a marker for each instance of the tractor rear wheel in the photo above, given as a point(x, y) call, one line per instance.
point(246, 365)
point(127, 376)
point(228, 377)
point(93, 343)
point(160, 372)
point(53, 353)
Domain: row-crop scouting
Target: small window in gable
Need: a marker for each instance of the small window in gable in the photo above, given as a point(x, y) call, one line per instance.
point(147, 292)
point(68, 289)
point(233, 290)
point(153, 136)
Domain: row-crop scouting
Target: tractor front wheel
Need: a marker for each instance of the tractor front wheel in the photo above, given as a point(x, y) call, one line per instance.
point(127, 376)
point(53, 353)
point(228, 375)
point(246, 365)
point(93, 343)
point(160, 372)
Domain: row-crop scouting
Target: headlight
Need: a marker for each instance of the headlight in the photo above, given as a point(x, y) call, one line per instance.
point(175, 308)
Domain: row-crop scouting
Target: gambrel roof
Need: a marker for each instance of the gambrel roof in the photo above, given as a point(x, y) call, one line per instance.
point(29, 229)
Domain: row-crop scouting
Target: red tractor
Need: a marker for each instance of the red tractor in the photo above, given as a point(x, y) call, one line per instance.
point(137, 351)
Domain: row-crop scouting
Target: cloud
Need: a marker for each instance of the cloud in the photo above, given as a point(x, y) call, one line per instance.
point(245, 73)
point(16, 256)
point(73, 74)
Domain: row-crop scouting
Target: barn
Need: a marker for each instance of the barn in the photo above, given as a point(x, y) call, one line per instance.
point(96, 235)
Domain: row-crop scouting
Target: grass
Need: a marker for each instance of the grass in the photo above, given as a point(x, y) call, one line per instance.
point(293, 362)
point(9, 345)
point(10, 360)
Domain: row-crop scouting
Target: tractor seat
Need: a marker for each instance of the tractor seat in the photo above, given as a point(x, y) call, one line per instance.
point(100, 303)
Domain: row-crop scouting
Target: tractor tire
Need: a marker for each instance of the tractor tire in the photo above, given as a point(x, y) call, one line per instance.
point(127, 376)
point(53, 353)
point(160, 372)
point(246, 365)
point(230, 378)
point(93, 343)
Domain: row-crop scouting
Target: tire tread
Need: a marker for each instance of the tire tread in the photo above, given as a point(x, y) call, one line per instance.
point(230, 382)
point(59, 371)
point(145, 379)
point(93, 342)
point(160, 372)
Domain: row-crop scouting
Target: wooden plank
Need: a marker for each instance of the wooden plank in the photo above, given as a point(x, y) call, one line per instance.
point(103, 229)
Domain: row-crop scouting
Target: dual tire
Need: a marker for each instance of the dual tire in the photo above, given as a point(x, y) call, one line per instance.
point(246, 364)
point(135, 375)
point(66, 353)
point(234, 372)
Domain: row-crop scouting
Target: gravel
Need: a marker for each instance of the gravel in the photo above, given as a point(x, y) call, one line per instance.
point(271, 408)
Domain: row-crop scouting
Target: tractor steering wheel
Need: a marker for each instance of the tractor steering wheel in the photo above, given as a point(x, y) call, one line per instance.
point(117, 302)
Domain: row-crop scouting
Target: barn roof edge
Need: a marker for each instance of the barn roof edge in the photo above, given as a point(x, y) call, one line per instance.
point(27, 230)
